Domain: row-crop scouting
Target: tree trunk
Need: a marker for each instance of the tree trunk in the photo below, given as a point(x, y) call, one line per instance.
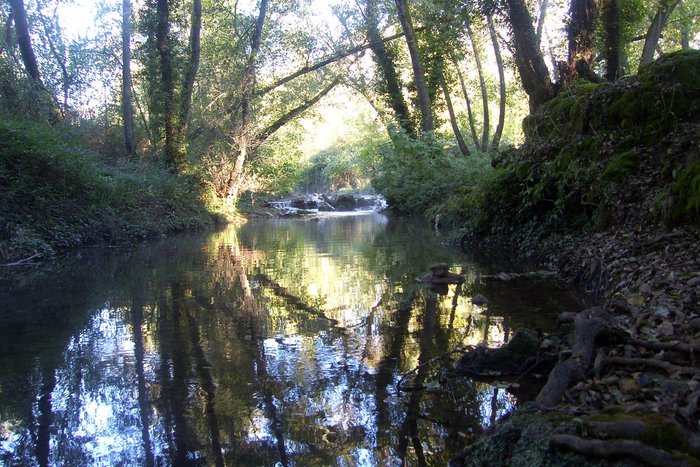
point(385, 61)
point(612, 50)
point(544, 4)
point(470, 115)
point(418, 72)
point(191, 71)
point(528, 58)
point(19, 13)
point(453, 118)
point(484, 93)
point(173, 157)
point(580, 30)
point(127, 111)
point(247, 90)
point(501, 86)
point(651, 40)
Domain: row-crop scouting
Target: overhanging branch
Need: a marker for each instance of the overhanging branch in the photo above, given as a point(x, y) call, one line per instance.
point(326, 61)
point(294, 113)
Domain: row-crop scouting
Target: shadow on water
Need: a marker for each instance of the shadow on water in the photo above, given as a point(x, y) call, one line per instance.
point(276, 342)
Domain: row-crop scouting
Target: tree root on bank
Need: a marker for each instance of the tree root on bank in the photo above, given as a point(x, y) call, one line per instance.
point(588, 326)
point(616, 448)
point(670, 368)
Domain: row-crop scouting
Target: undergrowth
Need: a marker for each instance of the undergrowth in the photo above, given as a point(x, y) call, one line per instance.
point(595, 156)
point(56, 195)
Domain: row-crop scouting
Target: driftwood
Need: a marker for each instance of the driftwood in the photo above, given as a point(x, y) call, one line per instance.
point(616, 448)
point(22, 261)
point(588, 326)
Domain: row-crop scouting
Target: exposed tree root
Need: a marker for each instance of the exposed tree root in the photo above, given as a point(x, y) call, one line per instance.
point(616, 448)
point(670, 368)
point(588, 326)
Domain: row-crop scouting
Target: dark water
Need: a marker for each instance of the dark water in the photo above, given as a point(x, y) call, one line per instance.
point(275, 343)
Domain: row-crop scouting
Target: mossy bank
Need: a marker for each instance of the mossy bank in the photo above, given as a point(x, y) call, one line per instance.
point(55, 195)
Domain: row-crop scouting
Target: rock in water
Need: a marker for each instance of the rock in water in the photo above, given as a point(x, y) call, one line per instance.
point(439, 269)
point(440, 275)
point(479, 300)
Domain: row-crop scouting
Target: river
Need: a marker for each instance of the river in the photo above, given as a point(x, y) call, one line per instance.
point(278, 342)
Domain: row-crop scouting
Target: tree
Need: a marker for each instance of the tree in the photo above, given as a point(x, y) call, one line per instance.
point(528, 57)
point(19, 14)
point(172, 77)
point(658, 22)
point(579, 31)
point(424, 103)
point(496, 141)
point(384, 58)
point(612, 42)
point(482, 85)
point(127, 112)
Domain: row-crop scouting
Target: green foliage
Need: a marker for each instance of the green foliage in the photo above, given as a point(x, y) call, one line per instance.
point(277, 168)
point(586, 146)
point(421, 175)
point(620, 166)
point(55, 195)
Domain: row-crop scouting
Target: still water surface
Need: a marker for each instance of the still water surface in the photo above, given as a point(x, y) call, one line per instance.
point(280, 342)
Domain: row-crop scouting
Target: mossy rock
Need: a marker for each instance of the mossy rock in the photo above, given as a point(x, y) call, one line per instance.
point(664, 92)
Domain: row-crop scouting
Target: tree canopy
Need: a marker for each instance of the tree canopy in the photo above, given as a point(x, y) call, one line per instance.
point(205, 87)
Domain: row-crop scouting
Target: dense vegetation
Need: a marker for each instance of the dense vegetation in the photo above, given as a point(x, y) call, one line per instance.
point(55, 195)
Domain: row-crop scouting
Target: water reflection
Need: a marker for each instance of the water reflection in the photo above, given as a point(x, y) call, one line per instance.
point(279, 342)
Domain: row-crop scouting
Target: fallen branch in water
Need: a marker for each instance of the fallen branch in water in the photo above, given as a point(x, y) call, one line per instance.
point(22, 261)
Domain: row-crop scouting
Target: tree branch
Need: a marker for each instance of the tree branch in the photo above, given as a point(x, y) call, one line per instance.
point(326, 61)
point(294, 113)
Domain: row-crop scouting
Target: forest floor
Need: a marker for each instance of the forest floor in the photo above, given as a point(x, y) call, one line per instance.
point(637, 397)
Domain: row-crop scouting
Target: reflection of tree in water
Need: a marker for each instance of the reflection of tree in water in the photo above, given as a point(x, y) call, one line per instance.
point(262, 345)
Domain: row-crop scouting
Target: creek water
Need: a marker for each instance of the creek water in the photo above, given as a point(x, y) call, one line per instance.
point(279, 342)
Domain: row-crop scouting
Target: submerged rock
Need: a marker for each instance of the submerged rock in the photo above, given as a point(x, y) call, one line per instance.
point(516, 357)
point(440, 275)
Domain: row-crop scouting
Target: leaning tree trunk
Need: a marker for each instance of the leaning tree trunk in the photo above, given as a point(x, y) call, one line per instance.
point(127, 111)
point(19, 13)
point(528, 57)
point(247, 91)
point(453, 118)
point(482, 86)
point(418, 72)
point(470, 115)
point(651, 40)
point(384, 60)
point(496, 141)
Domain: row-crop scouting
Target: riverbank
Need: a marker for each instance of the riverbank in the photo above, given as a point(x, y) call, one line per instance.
point(606, 193)
point(56, 195)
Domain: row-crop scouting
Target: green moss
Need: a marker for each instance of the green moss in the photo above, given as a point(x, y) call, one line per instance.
point(686, 189)
point(660, 432)
point(620, 166)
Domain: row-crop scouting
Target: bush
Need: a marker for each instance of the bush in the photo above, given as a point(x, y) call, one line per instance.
point(424, 175)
